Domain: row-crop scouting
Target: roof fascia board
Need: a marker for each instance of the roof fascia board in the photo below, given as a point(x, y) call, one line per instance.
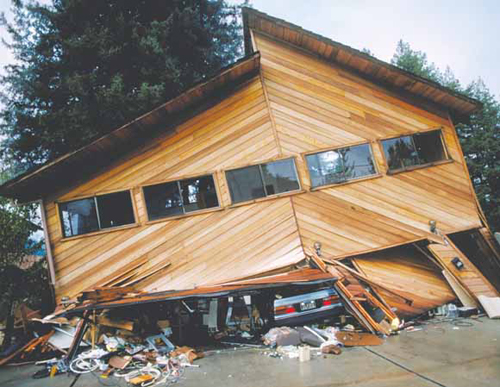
point(247, 12)
point(391, 89)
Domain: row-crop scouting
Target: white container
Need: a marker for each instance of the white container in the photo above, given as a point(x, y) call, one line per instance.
point(304, 354)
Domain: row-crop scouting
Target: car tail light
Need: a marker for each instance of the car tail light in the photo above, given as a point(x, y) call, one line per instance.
point(330, 300)
point(280, 310)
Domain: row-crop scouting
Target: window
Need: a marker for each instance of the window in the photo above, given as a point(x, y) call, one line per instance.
point(115, 209)
point(340, 165)
point(180, 197)
point(258, 181)
point(418, 149)
point(96, 213)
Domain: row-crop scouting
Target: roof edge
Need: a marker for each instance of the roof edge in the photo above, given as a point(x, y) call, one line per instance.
point(7, 189)
point(247, 11)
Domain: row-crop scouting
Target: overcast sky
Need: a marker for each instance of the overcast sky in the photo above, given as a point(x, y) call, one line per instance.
point(462, 34)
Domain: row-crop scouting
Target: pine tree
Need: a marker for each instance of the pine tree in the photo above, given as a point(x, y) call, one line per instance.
point(480, 138)
point(480, 141)
point(86, 67)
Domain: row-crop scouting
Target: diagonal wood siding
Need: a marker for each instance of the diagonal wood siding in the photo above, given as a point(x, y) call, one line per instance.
point(202, 248)
point(318, 106)
point(469, 276)
point(407, 272)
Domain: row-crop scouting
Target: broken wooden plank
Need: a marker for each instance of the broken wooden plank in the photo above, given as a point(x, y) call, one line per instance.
point(462, 294)
point(355, 339)
point(348, 297)
point(491, 306)
point(5, 360)
point(141, 276)
point(361, 317)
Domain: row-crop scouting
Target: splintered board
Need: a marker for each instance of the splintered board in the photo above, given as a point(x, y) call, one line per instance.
point(408, 273)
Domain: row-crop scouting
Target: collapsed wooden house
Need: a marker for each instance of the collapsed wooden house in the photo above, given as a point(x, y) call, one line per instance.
point(303, 148)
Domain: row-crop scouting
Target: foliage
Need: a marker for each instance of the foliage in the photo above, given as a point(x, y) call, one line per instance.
point(27, 285)
point(86, 67)
point(367, 51)
point(481, 145)
point(480, 138)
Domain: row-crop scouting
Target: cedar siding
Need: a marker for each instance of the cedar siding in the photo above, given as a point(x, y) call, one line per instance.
point(293, 95)
point(297, 104)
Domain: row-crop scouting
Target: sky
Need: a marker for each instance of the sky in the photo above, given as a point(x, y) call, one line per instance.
point(461, 34)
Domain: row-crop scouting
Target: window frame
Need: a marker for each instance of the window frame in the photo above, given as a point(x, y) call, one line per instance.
point(184, 214)
point(446, 160)
point(377, 173)
point(267, 197)
point(100, 230)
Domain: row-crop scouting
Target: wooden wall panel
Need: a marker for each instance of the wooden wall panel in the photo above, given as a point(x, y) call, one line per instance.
point(408, 273)
point(298, 104)
point(236, 131)
point(202, 248)
point(317, 105)
point(344, 228)
point(469, 276)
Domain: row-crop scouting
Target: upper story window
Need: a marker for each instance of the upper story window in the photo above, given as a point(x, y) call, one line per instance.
point(258, 181)
point(96, 213)
point(418, 149)
point(340, 165)
point(180, 197)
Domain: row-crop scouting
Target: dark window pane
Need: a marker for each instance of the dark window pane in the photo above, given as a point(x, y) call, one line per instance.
point(429, 146)
point(400, 152)
point(115, 209)
point(199, 193)
point(280, 176)
point(163, 200)
point(325, 168)
point(245, 184)
point(79, 217)
point(358, 161)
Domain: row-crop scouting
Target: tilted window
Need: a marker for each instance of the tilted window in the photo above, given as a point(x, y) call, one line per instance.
point(410, 151)
point(340, 165)
point(258, 181)
point(96, 213)
point(180, 197)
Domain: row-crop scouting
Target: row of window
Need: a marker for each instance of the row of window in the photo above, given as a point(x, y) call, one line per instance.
point(257, 181)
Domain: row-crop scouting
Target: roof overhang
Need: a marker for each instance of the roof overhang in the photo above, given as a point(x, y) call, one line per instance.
point(78, 165)
point(368, 67)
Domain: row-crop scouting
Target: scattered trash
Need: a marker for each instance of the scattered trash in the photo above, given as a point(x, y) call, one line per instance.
point(330, 349)
point(282, 336)
point(140, 349)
